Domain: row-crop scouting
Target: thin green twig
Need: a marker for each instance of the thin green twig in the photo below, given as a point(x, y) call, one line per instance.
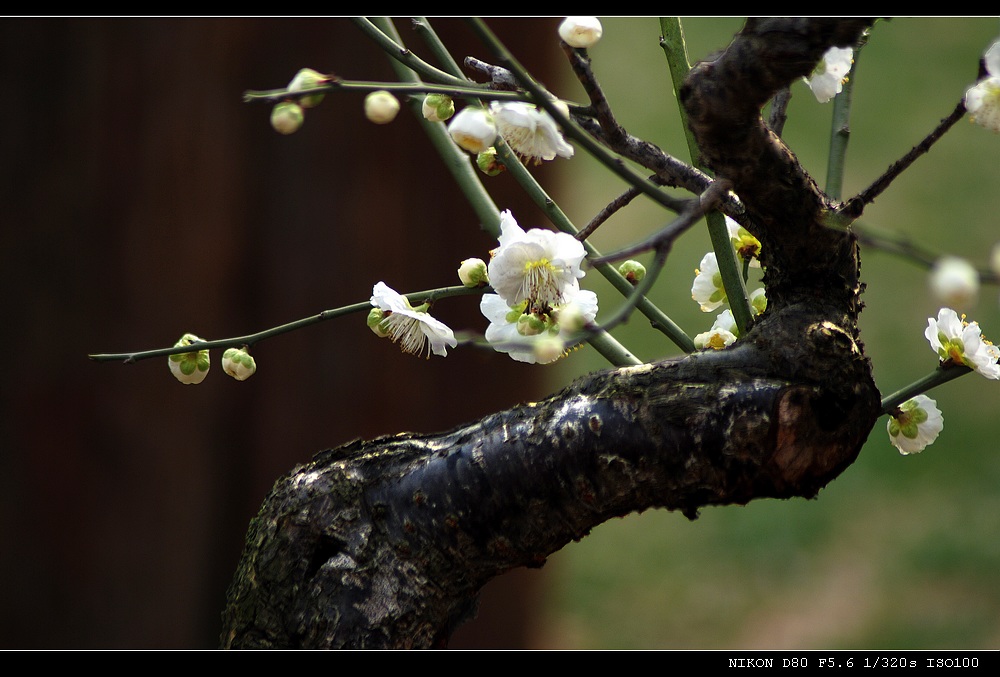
point(460, 165)
point(392, 46)
point(672, 43)
point(941, 375)
point(415, 298)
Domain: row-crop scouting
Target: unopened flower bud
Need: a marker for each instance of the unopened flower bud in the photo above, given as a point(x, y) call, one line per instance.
point(381, 107)
point(995, 259)
point(189, 368)
point(488, 163)
point(473, 129)
point(438, 107)
point(581, 31)
point(238, 363)
point(287, 117)
point(633, 271)
point(571, 319)
point(472, 273)
point(530, 325)
point(376, 324)
point(954, 282)
point(548, 348)
point(307, 79)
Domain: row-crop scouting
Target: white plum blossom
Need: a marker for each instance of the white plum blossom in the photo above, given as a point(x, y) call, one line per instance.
point(954, 281)
point(581, 31)
point(827, 79)
point(959, 342)
point(189, 368)
point(416, 331)
point(473, 129)
point(527, 335)
point(707, 289)
point(915, 425)
point(724, 332)
point(539, 266)
point(529, 131)
point(983, 100)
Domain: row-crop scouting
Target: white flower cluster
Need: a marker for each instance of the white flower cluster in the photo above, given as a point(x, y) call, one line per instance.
point(538, 303)
point(710, 294)
point(191, 368)
point(529, 131)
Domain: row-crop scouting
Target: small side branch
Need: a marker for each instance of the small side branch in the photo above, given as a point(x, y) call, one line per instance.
point(854, 207)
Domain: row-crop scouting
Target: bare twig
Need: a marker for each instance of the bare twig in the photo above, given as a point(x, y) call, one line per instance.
point(662, 241)
point(619, 203)
point(854, 207)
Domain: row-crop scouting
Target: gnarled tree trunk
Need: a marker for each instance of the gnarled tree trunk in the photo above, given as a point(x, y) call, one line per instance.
point(385, 543)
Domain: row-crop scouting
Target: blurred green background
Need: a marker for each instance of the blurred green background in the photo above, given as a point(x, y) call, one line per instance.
point(898, 552)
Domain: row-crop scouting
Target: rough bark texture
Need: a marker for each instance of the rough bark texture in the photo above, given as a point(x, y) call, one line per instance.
point(385, 543)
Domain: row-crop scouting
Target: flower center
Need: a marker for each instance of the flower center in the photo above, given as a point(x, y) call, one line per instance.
point(407, 332)
point(540, 285)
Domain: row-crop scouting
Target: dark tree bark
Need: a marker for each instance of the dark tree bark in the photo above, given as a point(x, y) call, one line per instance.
point(385, 543)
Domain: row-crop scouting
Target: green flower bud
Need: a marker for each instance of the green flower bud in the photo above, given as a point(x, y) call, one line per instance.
point(287, 117)
point(381, 107)
point(548, 349)
point(438, 107)
point(238, 363)
point(376, 320)
point(472, 273)
point(488, 163)
point(189, 368)
point(633, 271)
point(530, 325)
point(307, 79)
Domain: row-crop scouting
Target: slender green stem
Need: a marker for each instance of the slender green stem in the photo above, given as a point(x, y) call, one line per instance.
point(460, 165)
point(468, 91)
point(437, 47)
point(415, 298)
point(672, 43)
point(395, 49)
point(942, 374)
point(674, 47)
point(570, 128)
point(840, 134)
point(455, 159)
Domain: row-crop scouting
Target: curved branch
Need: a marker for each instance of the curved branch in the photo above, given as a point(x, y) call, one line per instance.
point(386, 543)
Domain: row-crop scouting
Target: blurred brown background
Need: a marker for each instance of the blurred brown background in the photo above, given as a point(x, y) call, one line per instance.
point(142, 199)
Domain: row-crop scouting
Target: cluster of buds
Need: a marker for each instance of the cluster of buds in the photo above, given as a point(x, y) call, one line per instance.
point(191, 368)
point(287, 116)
